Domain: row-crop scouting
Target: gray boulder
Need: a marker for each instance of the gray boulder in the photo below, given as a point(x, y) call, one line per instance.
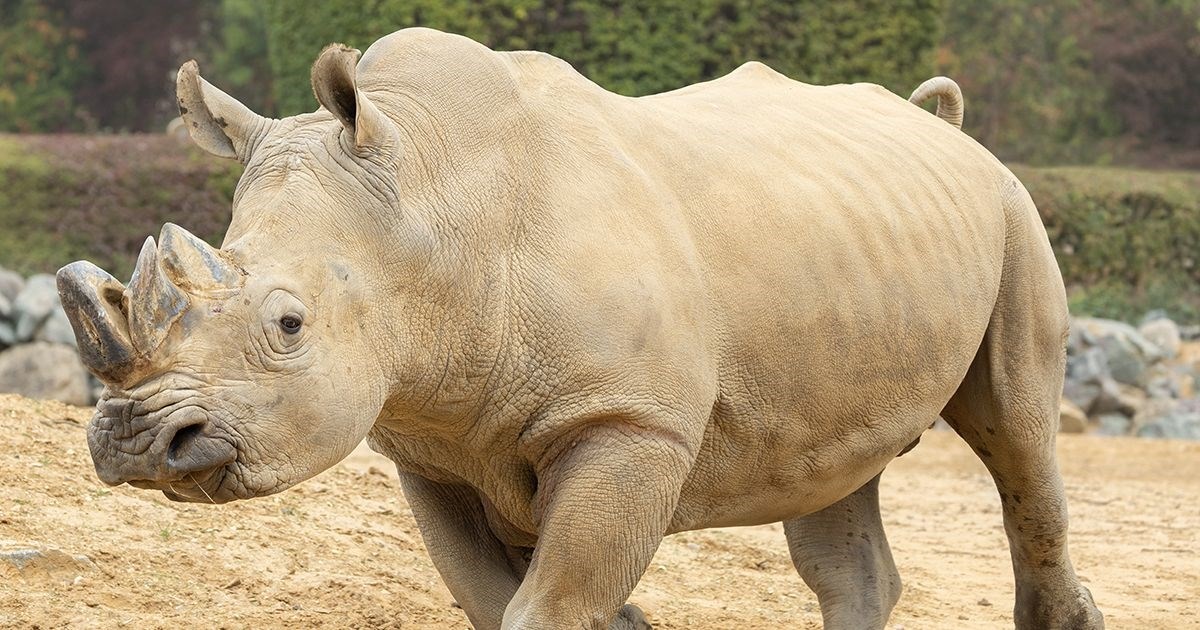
point(1113, 424)
point(45, 370)
point(1181, 424)
point(10, 284)
point(34, 304)
point(1088, 379)
point(1128, 353)
point(56, 329)
point(1163, 333)
point(8, 333)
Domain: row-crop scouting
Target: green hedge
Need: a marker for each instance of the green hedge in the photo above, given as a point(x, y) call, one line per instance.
point(65, 198)
point(633, 48)
point(1127, 241)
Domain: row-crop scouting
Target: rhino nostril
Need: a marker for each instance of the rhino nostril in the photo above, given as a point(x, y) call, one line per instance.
point(182, 439)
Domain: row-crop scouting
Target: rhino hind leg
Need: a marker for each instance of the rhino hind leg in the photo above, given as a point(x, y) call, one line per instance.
point(842, 554)
point(1006, 409)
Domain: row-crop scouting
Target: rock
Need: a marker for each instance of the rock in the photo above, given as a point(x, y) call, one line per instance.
point(1164, 334)
point(5, 306)
point(1123, 399)
point(45, 370)
point(1071, 419)
point(45, 562)
point(1181, 424)
point(1087, 377)
point(34, 304)
point(1088, 365)
point(1128, 353)
point(1113, 424)
point(57, 329)
point(1124, 361)
point(1189, 355)
point(10, 284)
point(8, 333)
point(1078, 340)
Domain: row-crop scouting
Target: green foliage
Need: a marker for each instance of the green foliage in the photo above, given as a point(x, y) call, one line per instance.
point(633, 48)
point(240, 59)
point(65, 198)
point(40, 67)
point(1078, 81)
point(1126, 240)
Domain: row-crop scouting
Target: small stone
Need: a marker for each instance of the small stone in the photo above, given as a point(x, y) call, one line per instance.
point(984, 602)
point(45, 561)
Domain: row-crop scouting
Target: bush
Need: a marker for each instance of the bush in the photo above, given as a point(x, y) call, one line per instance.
point(1126, 240)
point(633, 48)
point(40, 67)
point(65, 198)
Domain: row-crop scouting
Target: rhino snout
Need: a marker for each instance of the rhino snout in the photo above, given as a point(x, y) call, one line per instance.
point(184, 446)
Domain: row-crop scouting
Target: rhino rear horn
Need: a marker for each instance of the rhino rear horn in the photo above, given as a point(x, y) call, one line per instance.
point(154, 302)
point(96, 306)
point(193, 265)
point(336, 89)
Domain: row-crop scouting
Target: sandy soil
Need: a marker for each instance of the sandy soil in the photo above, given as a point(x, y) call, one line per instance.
point(342, 550)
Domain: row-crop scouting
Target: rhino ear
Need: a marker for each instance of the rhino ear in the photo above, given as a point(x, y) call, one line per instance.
point(334, 84)
point(217, 122)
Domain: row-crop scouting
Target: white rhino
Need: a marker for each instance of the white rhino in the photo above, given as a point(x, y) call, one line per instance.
point(578, 322)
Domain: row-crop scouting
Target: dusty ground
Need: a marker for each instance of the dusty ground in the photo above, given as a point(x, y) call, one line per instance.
point(342, 550)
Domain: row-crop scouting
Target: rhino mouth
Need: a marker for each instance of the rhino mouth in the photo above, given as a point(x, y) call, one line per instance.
point(168, 441)
point(206, 487)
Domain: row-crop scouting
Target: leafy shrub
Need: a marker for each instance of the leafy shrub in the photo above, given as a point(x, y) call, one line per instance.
point(40, 67)
point(64, 198)
point(632, 47)
point(1126, 240)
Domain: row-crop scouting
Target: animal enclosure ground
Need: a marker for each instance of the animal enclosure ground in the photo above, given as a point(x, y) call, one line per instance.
point(342, 550)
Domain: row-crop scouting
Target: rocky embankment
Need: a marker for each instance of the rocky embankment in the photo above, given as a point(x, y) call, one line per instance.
point(1120, 380)
point(1139, 381)
point(37, 345)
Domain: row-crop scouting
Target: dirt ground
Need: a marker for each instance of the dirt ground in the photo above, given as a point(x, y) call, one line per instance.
point(342, 550)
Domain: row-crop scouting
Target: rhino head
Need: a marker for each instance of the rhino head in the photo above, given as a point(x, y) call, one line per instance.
point(239, 371)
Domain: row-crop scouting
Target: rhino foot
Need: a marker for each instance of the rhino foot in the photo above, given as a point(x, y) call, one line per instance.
point(1078, 613)
point(630, 618)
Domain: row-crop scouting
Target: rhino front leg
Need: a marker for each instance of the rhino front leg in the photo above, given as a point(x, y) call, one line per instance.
point(604, 504)
point(481, 572)
point(843, 555)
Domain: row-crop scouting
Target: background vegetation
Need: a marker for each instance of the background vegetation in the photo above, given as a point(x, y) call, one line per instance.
point(1097, 84)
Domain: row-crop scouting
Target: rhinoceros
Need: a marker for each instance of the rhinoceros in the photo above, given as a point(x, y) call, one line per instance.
point(578, 322)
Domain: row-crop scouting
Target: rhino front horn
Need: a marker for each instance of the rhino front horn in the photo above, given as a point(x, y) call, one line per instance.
point(96, 307)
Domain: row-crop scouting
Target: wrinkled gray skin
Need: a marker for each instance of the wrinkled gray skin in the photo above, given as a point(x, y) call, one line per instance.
point(578, 322)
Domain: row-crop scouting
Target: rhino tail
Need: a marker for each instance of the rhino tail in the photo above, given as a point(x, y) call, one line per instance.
point(949, 99)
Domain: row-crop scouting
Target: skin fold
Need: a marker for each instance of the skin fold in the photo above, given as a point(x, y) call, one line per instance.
point(578, 322)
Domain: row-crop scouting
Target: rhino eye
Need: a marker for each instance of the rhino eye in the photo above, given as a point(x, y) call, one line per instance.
point(290, 324)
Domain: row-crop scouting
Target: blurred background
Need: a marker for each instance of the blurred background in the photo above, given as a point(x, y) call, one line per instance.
point(1095, 104)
